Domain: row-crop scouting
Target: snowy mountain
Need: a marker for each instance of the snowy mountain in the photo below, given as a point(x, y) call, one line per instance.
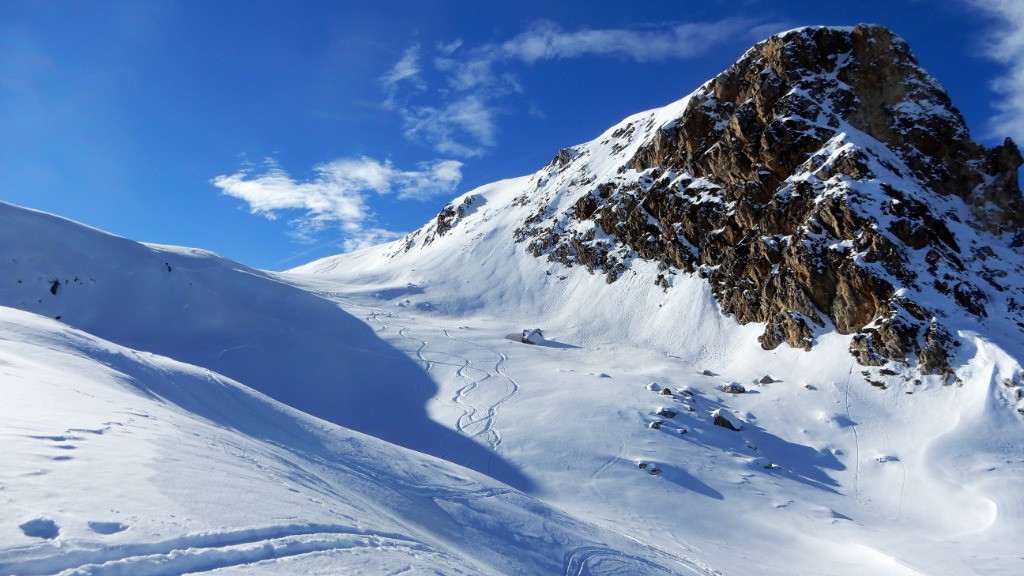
point(824, 183)
point(580, 371)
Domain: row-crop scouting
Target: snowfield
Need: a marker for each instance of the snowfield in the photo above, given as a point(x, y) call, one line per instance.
point(124, 462)
point(531, 459)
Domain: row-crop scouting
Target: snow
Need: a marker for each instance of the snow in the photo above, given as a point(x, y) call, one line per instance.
point(120, 459)
point(800, 484)
point(168, 411)
point(124, 462)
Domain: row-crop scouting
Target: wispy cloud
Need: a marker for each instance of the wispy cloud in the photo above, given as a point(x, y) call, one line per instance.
point(472, 81)
point(337, 194)
point(467, 120)
point(407, 70)
point(1006, 45)
point(548, 41)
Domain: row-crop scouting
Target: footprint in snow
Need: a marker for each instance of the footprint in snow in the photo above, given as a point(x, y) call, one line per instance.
point(40, 528)
point(107, 528)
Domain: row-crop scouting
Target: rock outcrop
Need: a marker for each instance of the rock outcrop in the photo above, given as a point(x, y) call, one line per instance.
point(824, 181)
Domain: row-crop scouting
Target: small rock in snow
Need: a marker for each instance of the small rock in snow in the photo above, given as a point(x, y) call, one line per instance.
point(666, 391)
point(653, 387)
point(734, 388)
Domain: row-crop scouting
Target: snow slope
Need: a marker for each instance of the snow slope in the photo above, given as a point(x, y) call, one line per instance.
point(839, 468)
point(202, 309)
point(125, 462)
point(829, 474)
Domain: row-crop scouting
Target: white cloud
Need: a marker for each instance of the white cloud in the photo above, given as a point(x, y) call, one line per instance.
point(1006, 45)
point(547, 41)
point(476, 79)
point(467, 120)
point(369, 237)
point(337, 194)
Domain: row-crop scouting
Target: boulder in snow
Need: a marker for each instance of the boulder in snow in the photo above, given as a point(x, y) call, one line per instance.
point(726, 420)
point(534, 336)
point(734, 388)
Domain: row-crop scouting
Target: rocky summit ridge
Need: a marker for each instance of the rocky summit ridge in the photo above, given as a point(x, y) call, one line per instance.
point(823, 182)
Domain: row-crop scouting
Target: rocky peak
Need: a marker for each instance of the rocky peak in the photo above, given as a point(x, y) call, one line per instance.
point(823, 182)
point(757, 122)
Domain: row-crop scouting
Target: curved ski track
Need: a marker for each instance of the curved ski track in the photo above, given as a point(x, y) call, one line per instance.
point(473, 396)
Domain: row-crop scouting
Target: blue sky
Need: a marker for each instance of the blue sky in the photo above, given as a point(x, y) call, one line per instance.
point(275, 133)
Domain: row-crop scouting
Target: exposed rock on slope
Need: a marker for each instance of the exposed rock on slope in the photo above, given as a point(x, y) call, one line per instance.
point(823, 181)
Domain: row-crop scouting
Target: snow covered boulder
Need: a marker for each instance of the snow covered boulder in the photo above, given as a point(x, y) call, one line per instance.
point(534, 336)
point(734, 388)
point(667, 412)
point(726, 420)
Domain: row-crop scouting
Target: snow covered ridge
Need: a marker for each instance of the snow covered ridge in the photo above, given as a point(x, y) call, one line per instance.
point(824, 182)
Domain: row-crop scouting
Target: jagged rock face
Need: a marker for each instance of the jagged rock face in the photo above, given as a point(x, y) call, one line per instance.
point(823, 180)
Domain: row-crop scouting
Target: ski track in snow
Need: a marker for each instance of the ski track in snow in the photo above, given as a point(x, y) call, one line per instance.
point(211, 551)
point(220, 356)
point(478, 413)
point(580, 561)
point(872, 417)
point(856, 441)
point(511, 388)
